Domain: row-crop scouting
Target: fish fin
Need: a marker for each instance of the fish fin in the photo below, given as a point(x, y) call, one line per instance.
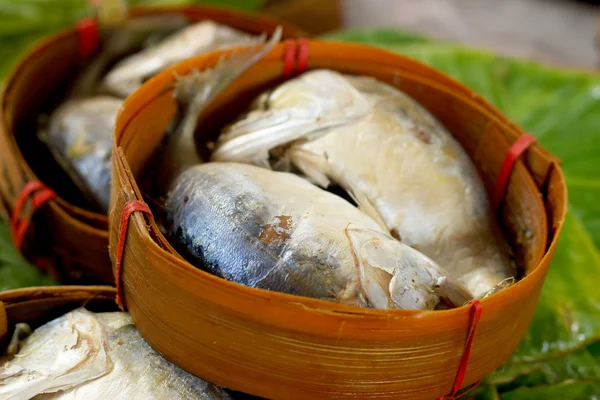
point(365, 205)
point(198, 89)
point(259, 132)
point(503, 284)
point(311, 104)
point(193, 92)
point(316, 169)
point(312, 165)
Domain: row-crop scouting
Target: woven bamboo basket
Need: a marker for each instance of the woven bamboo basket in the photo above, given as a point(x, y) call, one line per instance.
point(281, 346)
point(38, 305)
point(72, 239)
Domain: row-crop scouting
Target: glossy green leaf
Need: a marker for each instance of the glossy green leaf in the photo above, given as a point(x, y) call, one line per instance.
point(568, 390)
point(30, 16)
point(15, 272)
point(485, 393)
point(377, 37)
point(580, 365)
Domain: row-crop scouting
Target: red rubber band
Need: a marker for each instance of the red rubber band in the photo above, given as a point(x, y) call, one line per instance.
point(515, 151)
point(289, 57)
point(464, 361)
point(39, 194)
point(129, 208)
point(302, 58)
point(87, 30)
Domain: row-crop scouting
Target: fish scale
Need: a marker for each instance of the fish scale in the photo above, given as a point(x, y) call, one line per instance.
point(276, 231)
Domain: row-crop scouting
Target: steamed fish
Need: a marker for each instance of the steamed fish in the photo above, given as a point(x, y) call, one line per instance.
point(193, 92)
point(79, 135)
point(121, 38)
point(276, 231)
point(203, 37)
point(87, 356)
point(80, 131)
point(398, 162)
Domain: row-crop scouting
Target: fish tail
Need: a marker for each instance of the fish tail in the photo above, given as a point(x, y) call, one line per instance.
point(198, 88)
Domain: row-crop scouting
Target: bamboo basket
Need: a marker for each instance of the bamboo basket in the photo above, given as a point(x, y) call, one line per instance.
point(73, 239)
point(38, 305)
point(281, 346)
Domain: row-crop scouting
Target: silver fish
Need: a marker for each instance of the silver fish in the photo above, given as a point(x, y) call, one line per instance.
point(391, 154)
point(87, 356)
point(79, 132)
point(79, 135)
point(193, 92)
point(120, 38)
point(196, 39)
point(276, 231)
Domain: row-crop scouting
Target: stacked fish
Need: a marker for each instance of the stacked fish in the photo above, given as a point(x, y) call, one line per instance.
point(335, 187)
point(79, 132)
point(413, 229)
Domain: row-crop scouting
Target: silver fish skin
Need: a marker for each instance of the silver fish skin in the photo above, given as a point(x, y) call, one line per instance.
point(79, 135)
point(276, 231)
point(378, 143)
point(120, 39)
point(88, 356)
point(128, 74)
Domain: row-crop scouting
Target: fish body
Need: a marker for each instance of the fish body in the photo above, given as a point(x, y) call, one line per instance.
point(120, 38)
point(276, 231)
point(87, 356)
point(79, 135)
point(129, 73)
point(392, 152)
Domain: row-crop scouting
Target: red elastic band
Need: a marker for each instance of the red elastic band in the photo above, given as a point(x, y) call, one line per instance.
point(295, 56)
point(40, 194)
point(302, 56)
point(129, 208)
point(289, 57)
point(464, 361)
point(87, 30)
point(515, 151)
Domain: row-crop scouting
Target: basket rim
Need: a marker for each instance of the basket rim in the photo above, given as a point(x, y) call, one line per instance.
point(156, 85)
point(14, 295)
point(45, 42)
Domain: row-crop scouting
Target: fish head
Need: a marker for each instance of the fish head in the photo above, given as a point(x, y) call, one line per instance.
point(414, 281)
point(298, 109)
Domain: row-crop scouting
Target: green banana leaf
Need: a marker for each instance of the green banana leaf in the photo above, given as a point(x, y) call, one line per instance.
point(15, 272)
point(29, 16)
point(562, 109)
